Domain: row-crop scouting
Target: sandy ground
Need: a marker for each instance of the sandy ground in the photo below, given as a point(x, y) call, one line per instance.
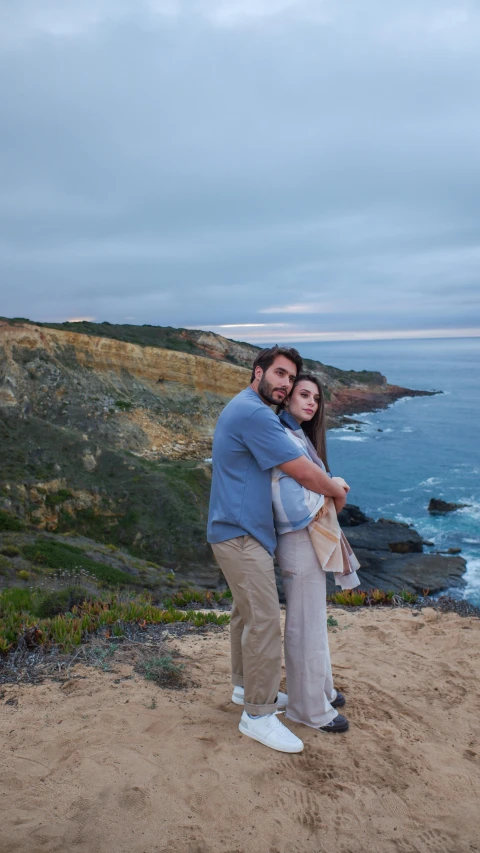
point(110, 762)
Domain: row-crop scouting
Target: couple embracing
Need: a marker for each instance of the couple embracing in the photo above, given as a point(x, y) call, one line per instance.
point(272, 492)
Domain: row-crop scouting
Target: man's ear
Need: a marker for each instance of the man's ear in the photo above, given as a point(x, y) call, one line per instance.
point(258, 373)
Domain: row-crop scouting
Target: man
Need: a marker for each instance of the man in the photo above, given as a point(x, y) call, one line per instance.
point(249, 441)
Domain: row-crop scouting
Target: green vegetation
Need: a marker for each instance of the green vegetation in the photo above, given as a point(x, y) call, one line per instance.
point(10, 551)
point(21, 616)
point(10, 522)
point(163, 671)
point(372, 597)
point(157, 510)
point(124, 405)
point(205, 597)
point(55, 498)
point(59, 555)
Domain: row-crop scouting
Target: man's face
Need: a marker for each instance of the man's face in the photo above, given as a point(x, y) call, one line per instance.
point(277, 381)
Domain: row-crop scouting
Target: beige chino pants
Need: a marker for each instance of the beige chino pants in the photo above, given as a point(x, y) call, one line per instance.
point(255, 633)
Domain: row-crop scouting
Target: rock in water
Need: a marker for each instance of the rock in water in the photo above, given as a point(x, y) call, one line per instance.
point(437, 505)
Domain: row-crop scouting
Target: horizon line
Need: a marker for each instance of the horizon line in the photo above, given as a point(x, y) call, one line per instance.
point(327, 337)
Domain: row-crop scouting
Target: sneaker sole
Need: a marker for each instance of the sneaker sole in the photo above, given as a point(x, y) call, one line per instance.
point(334, 731)
point(262, 740)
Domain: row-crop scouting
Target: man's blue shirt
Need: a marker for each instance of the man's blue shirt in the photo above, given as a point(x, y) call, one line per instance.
point(249, 441)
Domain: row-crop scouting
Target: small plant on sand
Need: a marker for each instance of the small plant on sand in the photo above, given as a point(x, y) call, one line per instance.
point(163, 671)
point(349, 598)
point(332, 622)
point(408, 597)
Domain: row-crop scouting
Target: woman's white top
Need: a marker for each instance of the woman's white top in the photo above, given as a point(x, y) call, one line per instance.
point(294, 507)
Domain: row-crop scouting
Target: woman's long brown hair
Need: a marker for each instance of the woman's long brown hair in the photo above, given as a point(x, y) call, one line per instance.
point(316, 428)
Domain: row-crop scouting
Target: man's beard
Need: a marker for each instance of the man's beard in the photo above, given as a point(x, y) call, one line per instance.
point(267, 391)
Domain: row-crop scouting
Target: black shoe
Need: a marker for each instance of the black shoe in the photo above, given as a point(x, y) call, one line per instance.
point(339, 701)
point(339, 724)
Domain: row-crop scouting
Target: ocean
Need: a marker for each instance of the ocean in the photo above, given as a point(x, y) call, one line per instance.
point(420, 447)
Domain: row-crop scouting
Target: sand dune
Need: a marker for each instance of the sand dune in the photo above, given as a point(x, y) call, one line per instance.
point(110, 762)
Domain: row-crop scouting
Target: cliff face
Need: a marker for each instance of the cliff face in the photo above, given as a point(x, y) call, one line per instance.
point(106, 435)
point(151, 401)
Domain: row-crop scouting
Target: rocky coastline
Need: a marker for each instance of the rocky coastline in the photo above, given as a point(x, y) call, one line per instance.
point(392, 556)
point(105, 430)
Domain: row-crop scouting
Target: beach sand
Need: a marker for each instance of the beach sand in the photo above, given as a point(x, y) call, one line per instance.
point(109, 762)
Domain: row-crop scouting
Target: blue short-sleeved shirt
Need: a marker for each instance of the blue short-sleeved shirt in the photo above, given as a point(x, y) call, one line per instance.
point(249, 441)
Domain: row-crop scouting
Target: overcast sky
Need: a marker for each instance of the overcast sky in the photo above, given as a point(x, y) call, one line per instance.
point(308, 165)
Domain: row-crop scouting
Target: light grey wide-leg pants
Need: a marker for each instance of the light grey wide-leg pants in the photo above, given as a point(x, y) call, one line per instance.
point(307, 656)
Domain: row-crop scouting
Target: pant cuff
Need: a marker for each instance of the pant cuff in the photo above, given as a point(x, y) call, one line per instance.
point(237, 680)
point(260, 710)
point(326, 718)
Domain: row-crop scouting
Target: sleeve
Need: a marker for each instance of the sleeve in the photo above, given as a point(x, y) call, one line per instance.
point(267, 440)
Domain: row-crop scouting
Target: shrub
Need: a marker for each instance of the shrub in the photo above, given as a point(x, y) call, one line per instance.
point(10, 551)
point(60, 601)
point(163, 671)
point(23, 575)
point(55, 498)
point(10, 522)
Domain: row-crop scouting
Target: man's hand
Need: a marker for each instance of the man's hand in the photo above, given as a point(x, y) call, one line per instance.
point(340, 502)
point(311, 476)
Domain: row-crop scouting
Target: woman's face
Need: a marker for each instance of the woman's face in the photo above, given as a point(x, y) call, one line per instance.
point(304, 401)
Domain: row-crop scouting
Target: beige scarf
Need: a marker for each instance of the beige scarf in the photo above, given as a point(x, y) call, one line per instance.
point(330, 543)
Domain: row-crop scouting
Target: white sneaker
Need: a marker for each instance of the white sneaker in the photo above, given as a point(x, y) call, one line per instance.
point(238, 696)
point(271, 732)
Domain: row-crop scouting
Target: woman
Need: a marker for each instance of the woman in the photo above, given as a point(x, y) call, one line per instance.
point(312, 698)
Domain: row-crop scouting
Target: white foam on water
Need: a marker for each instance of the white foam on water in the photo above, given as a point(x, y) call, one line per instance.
point(351, 438)
point(403, 518)
point(472, 579)
point(472, 511)
point(432, 481)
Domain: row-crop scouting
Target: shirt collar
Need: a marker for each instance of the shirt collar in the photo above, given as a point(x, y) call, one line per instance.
point(289, 421)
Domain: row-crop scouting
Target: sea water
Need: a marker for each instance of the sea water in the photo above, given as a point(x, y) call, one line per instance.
point(420, 447)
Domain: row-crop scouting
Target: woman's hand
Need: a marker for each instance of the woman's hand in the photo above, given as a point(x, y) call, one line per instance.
point(342, 483)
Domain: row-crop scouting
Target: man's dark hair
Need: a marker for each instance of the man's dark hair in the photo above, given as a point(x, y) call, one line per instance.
point(266, 357)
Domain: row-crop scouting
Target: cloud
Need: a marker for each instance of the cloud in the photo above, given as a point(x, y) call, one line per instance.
point(228, 163)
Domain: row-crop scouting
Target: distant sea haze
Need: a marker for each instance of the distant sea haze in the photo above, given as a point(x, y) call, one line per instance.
point(420, 447)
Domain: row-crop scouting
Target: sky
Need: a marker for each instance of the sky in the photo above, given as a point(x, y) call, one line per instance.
point(272, 170)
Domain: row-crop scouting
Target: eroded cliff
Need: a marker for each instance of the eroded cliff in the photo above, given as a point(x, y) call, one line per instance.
point(107, 437)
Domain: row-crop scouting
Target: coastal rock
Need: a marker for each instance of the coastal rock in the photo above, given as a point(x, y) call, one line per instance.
point(384, 535)
point(391, 557)
point(436, 505)
point(413, 572)
point(351, 516)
